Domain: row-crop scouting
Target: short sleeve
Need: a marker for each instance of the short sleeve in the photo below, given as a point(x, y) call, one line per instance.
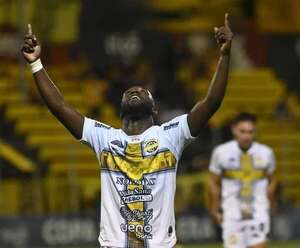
point(271, 163)
point(214, 165)
point(94, 134)
point(178, 132)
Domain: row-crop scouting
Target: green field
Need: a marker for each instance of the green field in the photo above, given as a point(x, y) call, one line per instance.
point(283, 244)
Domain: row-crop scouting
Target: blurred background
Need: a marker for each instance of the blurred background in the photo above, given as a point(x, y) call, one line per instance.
point(94, 50)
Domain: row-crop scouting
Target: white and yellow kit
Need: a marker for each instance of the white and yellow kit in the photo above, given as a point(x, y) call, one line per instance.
point(138, 182)
point(245, 204)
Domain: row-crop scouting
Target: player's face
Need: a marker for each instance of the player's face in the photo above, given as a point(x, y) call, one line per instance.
point(137, 102)
point(244, 133)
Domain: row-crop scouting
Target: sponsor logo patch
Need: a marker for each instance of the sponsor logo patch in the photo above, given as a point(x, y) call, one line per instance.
point(259, 162)
point(171, 125)
point(136, 215)
point(101, 125)
point(233, 239)
point(151, 146)
point(136, 198)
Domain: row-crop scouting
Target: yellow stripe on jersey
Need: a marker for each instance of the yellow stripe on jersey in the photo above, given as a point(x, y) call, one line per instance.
point(133, 237)
point(247, 174)
point(134, 164)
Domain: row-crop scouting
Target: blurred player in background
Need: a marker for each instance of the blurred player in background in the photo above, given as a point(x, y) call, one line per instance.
point(139, 161)
point(242, 176)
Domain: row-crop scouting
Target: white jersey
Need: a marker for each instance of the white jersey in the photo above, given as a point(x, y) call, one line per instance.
point(244, 179)
point(138, 182)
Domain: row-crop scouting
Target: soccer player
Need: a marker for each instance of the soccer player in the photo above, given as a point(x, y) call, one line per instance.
point(242, 176)
point(139, 161)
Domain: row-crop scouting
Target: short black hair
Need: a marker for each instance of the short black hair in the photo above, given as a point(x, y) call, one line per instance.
point(244, 116)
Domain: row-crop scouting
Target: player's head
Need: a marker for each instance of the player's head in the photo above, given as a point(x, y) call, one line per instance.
point(137, 103)
point(244, 129)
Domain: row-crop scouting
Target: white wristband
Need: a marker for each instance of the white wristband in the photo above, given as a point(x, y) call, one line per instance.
point(36, 66)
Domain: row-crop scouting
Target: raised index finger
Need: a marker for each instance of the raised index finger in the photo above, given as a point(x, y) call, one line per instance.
point(29, 29)
point(226, 22)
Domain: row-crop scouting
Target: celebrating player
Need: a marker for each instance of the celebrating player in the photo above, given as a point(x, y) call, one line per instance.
point(139, 161)
point(242, 173)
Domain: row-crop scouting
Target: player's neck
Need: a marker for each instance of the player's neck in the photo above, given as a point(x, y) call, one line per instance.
point(245, 149)
point(136, 126)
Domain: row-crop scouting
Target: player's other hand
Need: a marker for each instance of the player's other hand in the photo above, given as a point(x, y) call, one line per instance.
point(224, 36)
point(30, 48)
point(218, 218)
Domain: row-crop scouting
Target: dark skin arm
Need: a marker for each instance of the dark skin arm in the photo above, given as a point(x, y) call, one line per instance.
point(66, 114)
point(272, 186)
point(215, 192)
point(204, 109)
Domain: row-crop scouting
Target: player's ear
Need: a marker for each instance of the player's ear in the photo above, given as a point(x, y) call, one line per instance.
point(233, 129)
point(254, 130)
point(155, 114)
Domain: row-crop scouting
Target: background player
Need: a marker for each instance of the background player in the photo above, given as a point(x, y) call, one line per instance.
point(138, 162)
point(242, 173)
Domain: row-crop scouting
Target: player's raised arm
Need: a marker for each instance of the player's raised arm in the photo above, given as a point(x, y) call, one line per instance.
point(67, 115)
point(204, 109)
